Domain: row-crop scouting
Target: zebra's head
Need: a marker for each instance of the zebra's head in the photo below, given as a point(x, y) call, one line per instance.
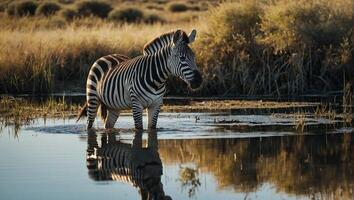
point(182, 60)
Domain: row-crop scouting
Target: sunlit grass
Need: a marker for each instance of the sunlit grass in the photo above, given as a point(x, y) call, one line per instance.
point(43, 56)
point(243, 47)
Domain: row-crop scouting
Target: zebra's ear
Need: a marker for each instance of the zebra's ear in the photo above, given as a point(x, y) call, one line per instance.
point(192, 35)
point(177, 36)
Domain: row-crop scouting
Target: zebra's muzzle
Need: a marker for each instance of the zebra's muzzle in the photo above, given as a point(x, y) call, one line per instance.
point(197, 80)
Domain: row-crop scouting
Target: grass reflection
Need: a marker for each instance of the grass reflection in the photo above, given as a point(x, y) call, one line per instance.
point(189, 179)
point(300, 165)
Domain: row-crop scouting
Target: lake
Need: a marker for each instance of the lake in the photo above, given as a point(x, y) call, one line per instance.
point(191, 156)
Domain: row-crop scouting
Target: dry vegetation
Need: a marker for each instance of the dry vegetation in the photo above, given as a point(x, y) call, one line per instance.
point(275, 48)
point(238, 106)
point(46, 56)
point(20, 111)
point(17, 112)
point(286, 47)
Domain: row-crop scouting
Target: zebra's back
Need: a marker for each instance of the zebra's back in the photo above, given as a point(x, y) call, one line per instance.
point(132, 74)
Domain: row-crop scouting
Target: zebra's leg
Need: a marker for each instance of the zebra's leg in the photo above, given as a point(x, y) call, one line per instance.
point(112, 116)
point(137, 114)
point(92, 107)
point(153, 113)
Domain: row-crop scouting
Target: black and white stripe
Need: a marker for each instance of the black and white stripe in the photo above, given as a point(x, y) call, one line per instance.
point(117, 82)
point(158, 43)
point(97, 72)
point(127, 163)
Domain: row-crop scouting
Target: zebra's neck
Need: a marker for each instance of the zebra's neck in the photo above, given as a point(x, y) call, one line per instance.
point(158, 43)
point(161, 70)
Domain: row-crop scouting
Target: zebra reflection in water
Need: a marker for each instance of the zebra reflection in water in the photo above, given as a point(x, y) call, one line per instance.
point(129, 163)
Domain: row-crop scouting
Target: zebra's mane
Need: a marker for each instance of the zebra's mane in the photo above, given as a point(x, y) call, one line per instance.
point(162, 41)
point(158, 43)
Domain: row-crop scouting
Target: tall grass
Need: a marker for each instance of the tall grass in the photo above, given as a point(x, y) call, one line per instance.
point(282, 47)
point(31, 61)
point(278, 48)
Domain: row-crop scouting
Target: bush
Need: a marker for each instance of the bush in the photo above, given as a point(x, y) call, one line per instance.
point(48, 8)
point(289, 25)
point(127, 15)
point(178, 7)
point(153, 18)
point(23, 8)
point(225, 49)
point(68, 14)
point(94, 8)
point(232, 27)
point(282, 48)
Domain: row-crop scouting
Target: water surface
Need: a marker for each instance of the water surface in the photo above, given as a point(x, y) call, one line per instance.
point(196, 156)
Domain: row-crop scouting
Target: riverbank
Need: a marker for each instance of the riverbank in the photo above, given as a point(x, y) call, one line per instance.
point(19, 111)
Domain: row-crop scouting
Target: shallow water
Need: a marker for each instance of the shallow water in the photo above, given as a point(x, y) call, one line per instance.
point(196, 156)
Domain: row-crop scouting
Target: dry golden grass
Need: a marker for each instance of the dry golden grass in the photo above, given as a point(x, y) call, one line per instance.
point(227, 105)
point(235, 46)
point(276, 48)
point(32, 54)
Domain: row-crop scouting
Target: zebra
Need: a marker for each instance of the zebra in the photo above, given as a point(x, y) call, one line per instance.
point(127, 163)
point(116, 82)
point(157, 43)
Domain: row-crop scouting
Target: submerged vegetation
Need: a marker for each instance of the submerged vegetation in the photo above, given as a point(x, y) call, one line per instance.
point(18, 111)
point(275, 48)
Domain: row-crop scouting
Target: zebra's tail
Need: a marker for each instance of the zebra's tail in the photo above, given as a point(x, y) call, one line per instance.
point(83, 112)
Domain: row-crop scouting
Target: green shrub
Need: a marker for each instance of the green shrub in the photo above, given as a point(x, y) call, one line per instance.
point(22, 8)
point(281, 48)
point(153, 18)
point(232, 27)
point(127, 15)
point(224, 50)
point(68, 14)
point(289, 25)
point(94, 8)
point(178, 7)
point(48, 8)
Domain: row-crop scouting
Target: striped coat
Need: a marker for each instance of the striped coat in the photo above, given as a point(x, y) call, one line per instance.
point(116, 82)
